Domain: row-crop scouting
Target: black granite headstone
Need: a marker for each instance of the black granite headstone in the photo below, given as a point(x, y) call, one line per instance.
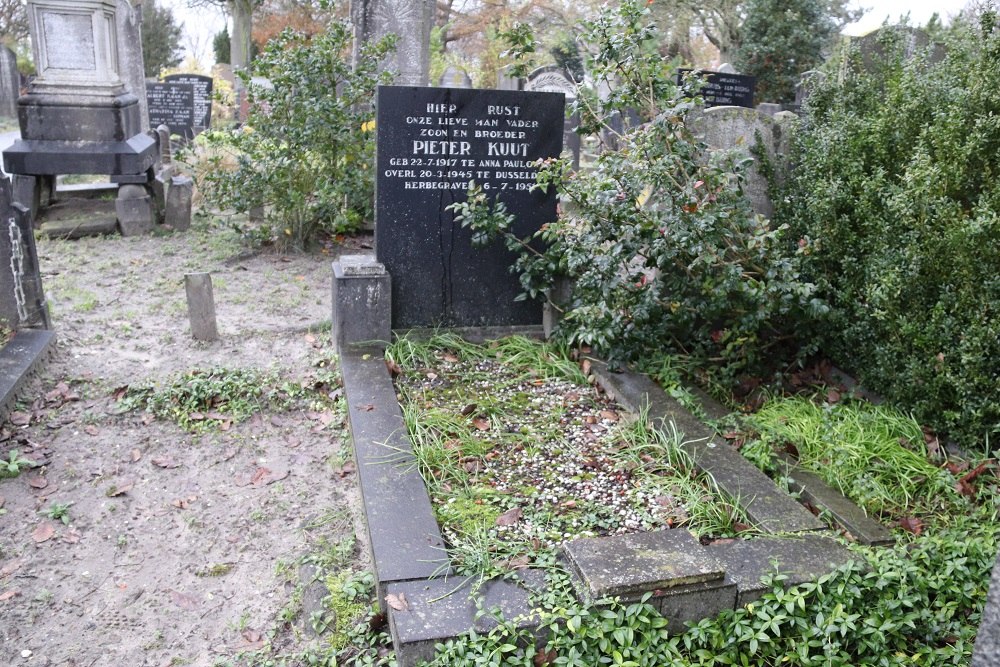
point(722, 89)
point(172, 104)
point(202, 98)
point(432, 142)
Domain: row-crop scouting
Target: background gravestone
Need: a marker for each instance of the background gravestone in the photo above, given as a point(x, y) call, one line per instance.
point(735, 128)
point(173, 105)
point(724, 88)
point(202, 86)
point(455, 77)
point(130, 62)
point(10, 83)
point(552, 79)
point(432, 142)
point(410, 21)
point(22, 303)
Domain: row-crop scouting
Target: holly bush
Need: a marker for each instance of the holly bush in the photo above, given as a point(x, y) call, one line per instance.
point(306, 151)
point(657, 240)
point(896, 202)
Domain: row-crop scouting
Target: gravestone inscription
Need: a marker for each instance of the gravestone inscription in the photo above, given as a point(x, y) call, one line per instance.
point(432, 144)
point(202, 99)
point(173, 105)
point(724, 89)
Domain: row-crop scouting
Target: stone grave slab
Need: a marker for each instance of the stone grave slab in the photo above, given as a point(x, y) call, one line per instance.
point(441, 609)
point(404, 537)
point(986, 651)
point(801, 559)
point(19, 358)
point(633, 564)
point(813, 490)
point(432, 143)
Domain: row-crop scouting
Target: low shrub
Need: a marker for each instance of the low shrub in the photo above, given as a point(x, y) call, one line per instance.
point(896, 206)
point(306, 150)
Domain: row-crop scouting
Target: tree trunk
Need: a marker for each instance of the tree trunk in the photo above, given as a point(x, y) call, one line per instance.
point(242, 11)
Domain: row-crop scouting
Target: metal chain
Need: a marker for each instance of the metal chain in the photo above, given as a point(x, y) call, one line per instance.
point(17, 268)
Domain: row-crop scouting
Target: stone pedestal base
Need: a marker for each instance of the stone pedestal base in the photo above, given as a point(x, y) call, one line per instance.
point(361, 301)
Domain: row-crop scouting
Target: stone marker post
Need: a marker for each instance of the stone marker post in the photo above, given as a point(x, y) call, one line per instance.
point(10, 83)
point(22, 302)
point(201, 306)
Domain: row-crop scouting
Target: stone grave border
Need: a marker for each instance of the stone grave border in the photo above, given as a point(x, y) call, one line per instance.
point(20, 358)
point(690, 582)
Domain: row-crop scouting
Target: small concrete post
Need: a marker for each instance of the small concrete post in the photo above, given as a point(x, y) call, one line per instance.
point(178, 213)
point(362, 299)
point(201, 306)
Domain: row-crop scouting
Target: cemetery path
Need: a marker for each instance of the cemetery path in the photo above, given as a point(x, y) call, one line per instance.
point(137, 542)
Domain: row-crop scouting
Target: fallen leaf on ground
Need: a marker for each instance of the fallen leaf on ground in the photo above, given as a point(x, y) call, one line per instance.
point(585, 366)
point(184, 601)
point(90, 429)
point(609, 415)
point(72, 536)
point(346, 469)
point(260, 476)
point(449, 357)
point(510, 517)
point(44, 531)
point(277, 421)
point(543, 659)
point(148, 418)
point(180, 503)
point(912, 525)
point(38, 482)
point(135, 455)
point(481, 423)
point(6, 595)
point(833, 396)
point(469, 409)
point(19, 418)
point(165, 462)
point(119, 392)
point(397, 602)
point(395, 370)
point(367, 407)
point(520, 562)
point(120, 488)
point(11, 567)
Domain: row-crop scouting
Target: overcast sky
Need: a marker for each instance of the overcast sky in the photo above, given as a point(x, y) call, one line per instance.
point(201, 24)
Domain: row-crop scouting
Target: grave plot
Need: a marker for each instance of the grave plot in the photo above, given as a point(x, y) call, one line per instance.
point(521, 455)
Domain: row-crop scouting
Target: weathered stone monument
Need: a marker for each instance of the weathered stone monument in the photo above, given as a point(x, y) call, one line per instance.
point(10, 83)
point(737, 128)
point(432, 144)
point(552, 79)
point(78, 116)
point(455, 77)
point(410, 21)
point(131, 65)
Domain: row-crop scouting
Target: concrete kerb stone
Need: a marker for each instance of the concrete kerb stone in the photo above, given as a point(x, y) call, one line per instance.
point(362, 301)
point(799, 559)
point(765, 504)
point(403, 535)
point(20, 357)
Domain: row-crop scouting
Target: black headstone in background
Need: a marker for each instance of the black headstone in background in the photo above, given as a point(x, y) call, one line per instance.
point(723, 89)
point(171, 104)
point(202, 97)
point(431, 143)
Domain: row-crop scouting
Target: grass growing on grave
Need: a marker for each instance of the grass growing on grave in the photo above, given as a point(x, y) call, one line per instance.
point(520, 454)
point(876, 456)
point(204, 399)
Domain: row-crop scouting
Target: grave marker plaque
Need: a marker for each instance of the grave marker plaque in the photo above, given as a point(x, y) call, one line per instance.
point(202, 98)
point(723, 89)
point(432, 142)
point(172, 104)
